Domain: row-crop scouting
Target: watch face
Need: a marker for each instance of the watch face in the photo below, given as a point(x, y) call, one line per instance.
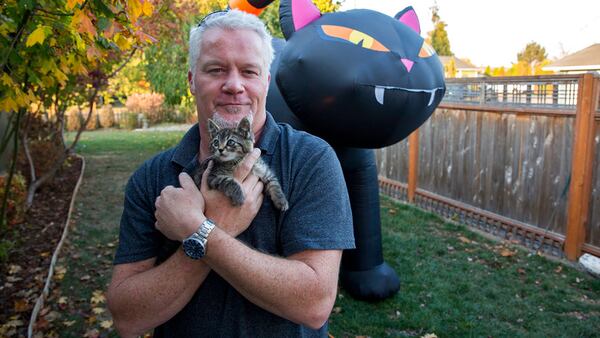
point(193, 247)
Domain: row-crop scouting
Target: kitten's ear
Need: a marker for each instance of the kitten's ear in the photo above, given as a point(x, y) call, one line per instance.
point(213, 128)
point(295, 14)
point(409, 17)
point(245, 128)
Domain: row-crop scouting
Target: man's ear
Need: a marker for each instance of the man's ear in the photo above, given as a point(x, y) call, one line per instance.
point(191, 82)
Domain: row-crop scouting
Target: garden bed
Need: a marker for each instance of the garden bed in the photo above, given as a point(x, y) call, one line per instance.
point(33, 242)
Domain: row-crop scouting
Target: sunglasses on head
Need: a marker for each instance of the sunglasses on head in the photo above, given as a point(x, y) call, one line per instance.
point(214, 15)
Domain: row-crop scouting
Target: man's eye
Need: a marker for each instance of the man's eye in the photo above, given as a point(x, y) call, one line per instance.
point(251, 72)
point(215, 70)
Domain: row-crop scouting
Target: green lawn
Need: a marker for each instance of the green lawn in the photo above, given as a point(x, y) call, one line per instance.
point(455, 283)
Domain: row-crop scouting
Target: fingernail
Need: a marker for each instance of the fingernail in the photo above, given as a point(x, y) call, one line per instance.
point(256, 151)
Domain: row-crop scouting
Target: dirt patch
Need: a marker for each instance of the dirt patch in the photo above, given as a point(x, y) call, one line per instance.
point(34, 241)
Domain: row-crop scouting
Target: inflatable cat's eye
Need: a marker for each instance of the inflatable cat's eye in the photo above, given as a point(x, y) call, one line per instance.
point(360, 80)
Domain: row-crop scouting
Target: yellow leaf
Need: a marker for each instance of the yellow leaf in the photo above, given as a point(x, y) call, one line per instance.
point(134, 9)
point(37, 36)
point(147, 8)
point(7, 80)
point(106, 324)
point(98, 310)
point(122, 42)
point(72, 3)
point(82, 23)
point(69, 323)
point(98, 297)
point(8, 104)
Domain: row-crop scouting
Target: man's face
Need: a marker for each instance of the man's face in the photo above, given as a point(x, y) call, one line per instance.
point(231, 80)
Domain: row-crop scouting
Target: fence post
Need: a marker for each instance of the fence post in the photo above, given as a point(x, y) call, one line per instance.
point(580, 191)
point(413, 164)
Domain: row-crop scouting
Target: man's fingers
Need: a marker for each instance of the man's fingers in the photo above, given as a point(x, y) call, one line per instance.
point(245, 167)
point(186, 181)
point(204, 180)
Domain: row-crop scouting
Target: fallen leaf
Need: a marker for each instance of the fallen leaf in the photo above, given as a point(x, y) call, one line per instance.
point(507, 253)
point(98, 297)
point(13, 268)
point(106, 324)
point(337, 309)
point(464, 239)
point(98, 310)
point(558, 269)
point(21, 305)
point(85, 278)
point(92, 333)
point(52, 316)
point(392, 211)
point(45, 254)
point(69, 323)
point(521, 271)
point(429, 335)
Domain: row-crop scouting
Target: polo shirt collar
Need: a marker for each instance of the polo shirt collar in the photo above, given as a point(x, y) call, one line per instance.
point(187, 149)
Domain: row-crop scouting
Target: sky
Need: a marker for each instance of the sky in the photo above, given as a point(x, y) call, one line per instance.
point(491, 33)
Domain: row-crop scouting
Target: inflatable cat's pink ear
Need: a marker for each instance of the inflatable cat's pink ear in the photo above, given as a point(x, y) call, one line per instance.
point(408, 16)
point(295, 14)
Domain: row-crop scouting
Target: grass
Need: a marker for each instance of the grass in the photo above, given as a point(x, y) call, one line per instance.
point(455, 283)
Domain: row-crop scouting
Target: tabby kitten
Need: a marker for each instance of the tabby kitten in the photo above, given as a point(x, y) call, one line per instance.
point(228, 147)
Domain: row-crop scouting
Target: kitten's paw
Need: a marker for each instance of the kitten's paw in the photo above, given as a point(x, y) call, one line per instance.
point(282, 205)
point(237, 199)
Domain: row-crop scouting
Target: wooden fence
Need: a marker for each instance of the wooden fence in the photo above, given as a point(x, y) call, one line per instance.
point(518, 157)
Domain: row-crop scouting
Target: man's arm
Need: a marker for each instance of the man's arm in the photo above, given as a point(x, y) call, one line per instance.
point(142, 296)
point(300, 288)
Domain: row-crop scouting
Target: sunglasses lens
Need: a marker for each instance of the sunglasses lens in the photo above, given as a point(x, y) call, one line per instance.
point(213, 15)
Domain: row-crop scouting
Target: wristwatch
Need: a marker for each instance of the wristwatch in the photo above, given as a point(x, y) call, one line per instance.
point(195, 245)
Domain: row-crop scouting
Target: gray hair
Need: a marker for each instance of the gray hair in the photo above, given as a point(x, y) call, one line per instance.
point(230, 20)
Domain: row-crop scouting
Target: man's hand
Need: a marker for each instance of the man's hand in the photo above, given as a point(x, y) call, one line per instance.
point(234, 220)
point(179, 211)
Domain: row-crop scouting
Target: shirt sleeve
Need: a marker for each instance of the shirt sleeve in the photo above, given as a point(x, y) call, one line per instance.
point(138, 237)
point(319, 216)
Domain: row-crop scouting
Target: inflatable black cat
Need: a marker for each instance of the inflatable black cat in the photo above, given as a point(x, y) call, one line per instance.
point(360, 80)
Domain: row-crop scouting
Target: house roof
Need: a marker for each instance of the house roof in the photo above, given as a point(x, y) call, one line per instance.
point(585, 59)
point(459, 63)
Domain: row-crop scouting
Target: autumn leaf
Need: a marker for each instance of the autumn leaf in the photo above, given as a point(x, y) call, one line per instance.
point(71, 3)
point(98, 297)
point(106, 324)
point(21, 305)
point(507, 253)
point(98, 310)
point(69, 323)
point(13, 268)
point(82, 23)
point(92, 333)
point(85, 278)
point(38, 35)
point(464, 239)
point(147, 8)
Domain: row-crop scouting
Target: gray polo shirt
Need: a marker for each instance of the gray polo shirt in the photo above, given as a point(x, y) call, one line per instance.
point(319, 218)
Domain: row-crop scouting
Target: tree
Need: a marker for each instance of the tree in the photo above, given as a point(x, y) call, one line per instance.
point(533, 55)
point(438, 37)
point(55, 53)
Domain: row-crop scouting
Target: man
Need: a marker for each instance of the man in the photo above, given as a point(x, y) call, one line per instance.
point(242, 271)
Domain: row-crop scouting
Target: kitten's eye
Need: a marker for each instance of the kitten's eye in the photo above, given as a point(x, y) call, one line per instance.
point(231, 143)
point(354, 37)
point(426, 50)
point(215, 143)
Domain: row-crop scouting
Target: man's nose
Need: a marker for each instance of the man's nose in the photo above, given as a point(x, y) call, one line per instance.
point(233, 84)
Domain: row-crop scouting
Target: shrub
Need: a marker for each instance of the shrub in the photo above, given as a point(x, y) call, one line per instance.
point(76, 116)
point(149, 104)
point(15, 211)
point(106, 116)
point(129, 121)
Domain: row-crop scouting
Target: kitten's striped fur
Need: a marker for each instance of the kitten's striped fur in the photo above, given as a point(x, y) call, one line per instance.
point(228, 147)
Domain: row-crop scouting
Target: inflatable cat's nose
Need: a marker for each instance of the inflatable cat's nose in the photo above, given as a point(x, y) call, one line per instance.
point(408, 64)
